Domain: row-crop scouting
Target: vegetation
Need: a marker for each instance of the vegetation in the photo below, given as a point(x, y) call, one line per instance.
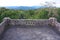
point(41, 13)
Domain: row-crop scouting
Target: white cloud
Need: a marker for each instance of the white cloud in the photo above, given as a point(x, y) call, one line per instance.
point(19, 2)
point(23, 2)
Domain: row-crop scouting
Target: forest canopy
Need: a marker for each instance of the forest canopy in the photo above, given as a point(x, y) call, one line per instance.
point(41, 13)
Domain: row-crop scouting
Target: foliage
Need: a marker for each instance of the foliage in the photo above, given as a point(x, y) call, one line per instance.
point(27, 14)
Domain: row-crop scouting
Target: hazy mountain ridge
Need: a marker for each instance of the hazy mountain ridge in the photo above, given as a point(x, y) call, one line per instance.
point(24, 7)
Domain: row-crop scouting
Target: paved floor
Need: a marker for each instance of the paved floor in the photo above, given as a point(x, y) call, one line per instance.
point(43, 33)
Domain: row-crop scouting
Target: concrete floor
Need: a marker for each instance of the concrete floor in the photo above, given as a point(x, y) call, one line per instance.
point(37, 33)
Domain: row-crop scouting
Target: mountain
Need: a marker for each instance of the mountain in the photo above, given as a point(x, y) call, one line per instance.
point(23, 7)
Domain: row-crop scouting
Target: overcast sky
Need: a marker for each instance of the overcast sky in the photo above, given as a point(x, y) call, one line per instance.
point(26, 2)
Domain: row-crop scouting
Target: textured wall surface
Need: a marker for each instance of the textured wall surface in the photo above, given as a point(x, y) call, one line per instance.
point(3, 25)
point(32, 22)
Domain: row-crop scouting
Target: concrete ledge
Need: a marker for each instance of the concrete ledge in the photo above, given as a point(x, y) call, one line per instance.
point(33, 22)
point(3, 24)
point(55, 24)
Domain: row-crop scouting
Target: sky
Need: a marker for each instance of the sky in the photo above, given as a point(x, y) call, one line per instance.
point(27, 2)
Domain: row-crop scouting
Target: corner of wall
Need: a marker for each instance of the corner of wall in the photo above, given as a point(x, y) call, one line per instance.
point(4, 24)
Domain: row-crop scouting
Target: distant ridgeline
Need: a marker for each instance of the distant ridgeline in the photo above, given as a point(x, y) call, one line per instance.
point(24, 7)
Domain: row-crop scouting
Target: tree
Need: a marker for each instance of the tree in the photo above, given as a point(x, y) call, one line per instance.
point(51, 8)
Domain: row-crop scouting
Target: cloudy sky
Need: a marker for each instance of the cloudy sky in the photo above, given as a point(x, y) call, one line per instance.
point(26, 2)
